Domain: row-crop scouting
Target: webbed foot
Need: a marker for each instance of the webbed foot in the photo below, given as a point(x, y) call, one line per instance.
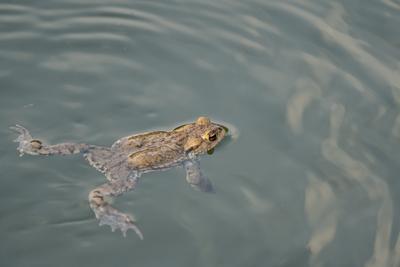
point(107, 215)
point(27, 144)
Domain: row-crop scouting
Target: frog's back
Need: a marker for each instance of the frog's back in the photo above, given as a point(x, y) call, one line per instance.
point(143, 152)
point(137, 142)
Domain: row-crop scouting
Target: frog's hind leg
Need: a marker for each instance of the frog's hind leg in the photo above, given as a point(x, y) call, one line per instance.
point(32, 146)
point(108, 215)
point(99, 157)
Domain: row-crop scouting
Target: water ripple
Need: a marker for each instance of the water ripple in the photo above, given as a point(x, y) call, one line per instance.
point(376, 188)
point(18, 36)
point(91, 36)
point(87, 63)
point(388, 72)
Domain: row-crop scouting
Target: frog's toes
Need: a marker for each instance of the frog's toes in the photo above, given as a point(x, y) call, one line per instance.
point(116, 220)
point(131, 225)
point(26, 143)
point(23, 133)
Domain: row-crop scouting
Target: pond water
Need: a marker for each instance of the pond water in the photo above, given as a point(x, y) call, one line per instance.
point(311, 87)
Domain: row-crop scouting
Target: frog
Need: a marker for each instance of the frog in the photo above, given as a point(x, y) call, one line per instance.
point(129, 157)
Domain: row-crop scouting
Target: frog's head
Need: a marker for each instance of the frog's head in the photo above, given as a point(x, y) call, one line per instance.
point(202, 135)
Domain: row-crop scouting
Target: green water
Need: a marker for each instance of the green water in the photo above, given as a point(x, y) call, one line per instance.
point(312, 88)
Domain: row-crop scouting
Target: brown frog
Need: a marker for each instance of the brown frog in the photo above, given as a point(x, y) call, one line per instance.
point(129, 157)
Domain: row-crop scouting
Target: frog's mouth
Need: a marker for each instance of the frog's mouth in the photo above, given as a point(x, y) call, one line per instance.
point(226, 129)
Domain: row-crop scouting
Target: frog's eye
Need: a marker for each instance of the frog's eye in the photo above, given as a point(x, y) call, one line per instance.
point(212, 137)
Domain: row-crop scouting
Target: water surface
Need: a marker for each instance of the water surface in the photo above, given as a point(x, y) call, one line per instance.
point(313, 88)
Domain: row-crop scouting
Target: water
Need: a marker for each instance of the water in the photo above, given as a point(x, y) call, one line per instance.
point(313, 88)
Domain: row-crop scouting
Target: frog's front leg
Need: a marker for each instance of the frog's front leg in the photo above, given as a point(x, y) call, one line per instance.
point(196, 178)
point(32, 146)
point(108, 215)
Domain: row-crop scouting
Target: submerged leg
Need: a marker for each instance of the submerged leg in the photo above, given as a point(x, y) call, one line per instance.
point(32, 146)
point(195, 177)
point(108, 215)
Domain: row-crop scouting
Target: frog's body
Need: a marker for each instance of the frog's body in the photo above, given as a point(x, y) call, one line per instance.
point(131, 156)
